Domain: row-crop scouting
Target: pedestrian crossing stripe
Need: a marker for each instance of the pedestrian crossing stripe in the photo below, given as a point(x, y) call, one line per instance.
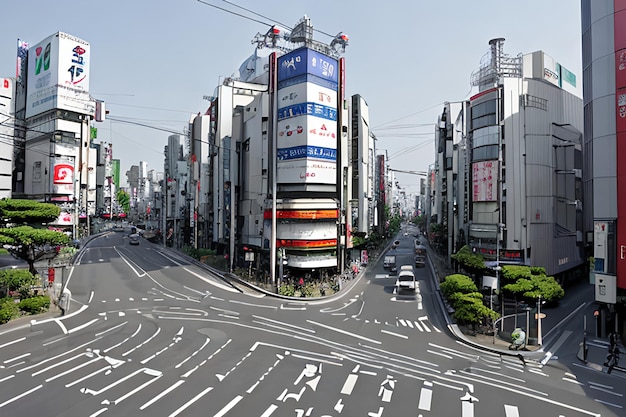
point(420, 325)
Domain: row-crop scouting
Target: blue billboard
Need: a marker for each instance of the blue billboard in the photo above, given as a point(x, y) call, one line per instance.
point(307, 61)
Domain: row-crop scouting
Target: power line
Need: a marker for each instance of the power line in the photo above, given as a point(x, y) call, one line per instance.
point(270, 23)
point(115, 119)
point(151, 108)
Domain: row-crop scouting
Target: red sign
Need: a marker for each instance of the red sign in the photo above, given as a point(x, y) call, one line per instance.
point(50, 276)
point(63, 174)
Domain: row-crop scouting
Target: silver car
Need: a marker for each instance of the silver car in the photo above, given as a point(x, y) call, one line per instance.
point(133, 239)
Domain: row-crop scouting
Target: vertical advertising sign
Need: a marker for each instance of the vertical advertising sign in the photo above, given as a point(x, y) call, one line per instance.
point(307, 118)
point(63, 175)
point(484, 181)
point(58, 75)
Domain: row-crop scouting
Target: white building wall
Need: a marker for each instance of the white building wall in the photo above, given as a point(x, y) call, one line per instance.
point(6, 136)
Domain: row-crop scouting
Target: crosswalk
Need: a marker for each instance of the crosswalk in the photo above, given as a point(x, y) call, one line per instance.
point(421, 324)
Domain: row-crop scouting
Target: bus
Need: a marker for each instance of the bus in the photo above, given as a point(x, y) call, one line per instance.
point(420, 254)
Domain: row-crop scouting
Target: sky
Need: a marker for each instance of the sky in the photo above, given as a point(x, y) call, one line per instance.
point(154, 61)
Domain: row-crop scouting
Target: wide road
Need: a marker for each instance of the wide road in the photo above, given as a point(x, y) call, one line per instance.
point(151, 334)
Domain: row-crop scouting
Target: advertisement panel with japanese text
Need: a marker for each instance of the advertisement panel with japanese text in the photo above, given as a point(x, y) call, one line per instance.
point(58, 75)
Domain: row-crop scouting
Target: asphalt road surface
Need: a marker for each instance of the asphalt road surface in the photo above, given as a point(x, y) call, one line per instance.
point(150, 333)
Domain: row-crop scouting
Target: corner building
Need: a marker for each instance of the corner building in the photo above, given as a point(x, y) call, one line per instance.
point(604, 75)
point(525, 133)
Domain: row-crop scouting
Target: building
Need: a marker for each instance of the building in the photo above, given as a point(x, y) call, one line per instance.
point(268, 163)
point(7, 112)
point(54, 159)
point(604, 173)
point(509, 165)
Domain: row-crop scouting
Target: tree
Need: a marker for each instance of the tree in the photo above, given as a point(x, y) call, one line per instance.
point(123, 199)
point(530, 283)
point(468, 260)
point(457, 283)
point(470, 309)
point(27, 211)
point(463, 295)
point(23, 232)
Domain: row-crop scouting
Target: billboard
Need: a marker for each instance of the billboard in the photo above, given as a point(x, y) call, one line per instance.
point(305, 61)
point(306, 137)
point(58, 75)
point(484, 181)
point(63, 175)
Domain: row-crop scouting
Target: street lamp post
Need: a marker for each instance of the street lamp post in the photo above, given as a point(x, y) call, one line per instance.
point(539, 338)
point(500, 227)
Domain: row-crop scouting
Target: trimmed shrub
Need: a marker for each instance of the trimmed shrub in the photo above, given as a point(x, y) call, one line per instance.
point(8, 309)
point(35, 305)
point(457, 283)
point(287, 290)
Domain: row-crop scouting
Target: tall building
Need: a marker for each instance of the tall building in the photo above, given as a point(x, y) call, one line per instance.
point(54, 161)
point(7, 113)
point(521, 187)
point(604, 92)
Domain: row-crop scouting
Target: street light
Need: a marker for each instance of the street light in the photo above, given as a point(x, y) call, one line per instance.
point(500, 227)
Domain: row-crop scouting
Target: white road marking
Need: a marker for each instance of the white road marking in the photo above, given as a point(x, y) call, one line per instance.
point(13, 342)
point(348, 386)
point(228, 406)
point(162, 394)
point(426, 396)
point(344, 332)
point(394, 334)
point(17, 397)
point(269, 411)
point(188, 403)
point(511, 411)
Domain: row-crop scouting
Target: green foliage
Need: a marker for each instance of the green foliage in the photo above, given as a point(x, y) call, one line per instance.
point(469, 309)
point(27, 242)
point(70, 250)
point(468, 259)
point(28, 235)
point(511, 273)
point(123, 199)
point(28, 211)
point(457, 283)
point(288, 290)
point(35, 305)
point(537, 270)
point(307, 290)
point(8, 309)
point(197, 253)
point(531, 283)
point(358, 241)
point(16, 280)
point(463, 295)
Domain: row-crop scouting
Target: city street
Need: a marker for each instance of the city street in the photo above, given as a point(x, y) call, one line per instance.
point(151, 333)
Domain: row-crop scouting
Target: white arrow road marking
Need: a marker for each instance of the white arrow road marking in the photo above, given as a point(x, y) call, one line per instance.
point(467, 405)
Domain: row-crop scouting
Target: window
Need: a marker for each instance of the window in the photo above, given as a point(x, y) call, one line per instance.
point(37, 171)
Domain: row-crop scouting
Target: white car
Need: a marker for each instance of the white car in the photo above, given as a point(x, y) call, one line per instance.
point(406, 279)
